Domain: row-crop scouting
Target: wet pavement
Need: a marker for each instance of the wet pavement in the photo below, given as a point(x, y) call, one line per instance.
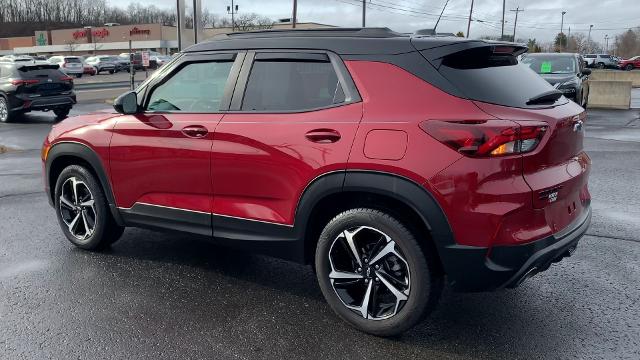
point(157, 296)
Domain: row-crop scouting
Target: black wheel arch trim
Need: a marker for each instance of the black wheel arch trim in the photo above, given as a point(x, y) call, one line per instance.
point(87, 154)
point(391, 185)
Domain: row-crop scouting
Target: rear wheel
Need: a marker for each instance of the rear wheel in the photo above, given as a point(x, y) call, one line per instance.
point(629, 67)
point(83, 211)
point(78, 75)
point(600, 65)
point(61, 113)
point(374, 274)
point(5, 114)
point(111, 71)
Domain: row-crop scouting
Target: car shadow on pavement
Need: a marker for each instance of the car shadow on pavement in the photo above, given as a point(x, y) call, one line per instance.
point(499, 324)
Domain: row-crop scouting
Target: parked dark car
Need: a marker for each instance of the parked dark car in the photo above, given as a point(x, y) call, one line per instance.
point(33, 86)
point(391, 163)
point(565, 71)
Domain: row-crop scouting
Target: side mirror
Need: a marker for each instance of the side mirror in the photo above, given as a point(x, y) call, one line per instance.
point(126, 103)
point(586, 71)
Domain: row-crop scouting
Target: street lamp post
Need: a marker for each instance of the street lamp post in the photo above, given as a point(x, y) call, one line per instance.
point(562, 29)
point(606, 41)
point(589, 39)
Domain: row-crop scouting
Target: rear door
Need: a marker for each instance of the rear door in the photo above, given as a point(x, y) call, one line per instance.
point(161, 158)
point(293, 117)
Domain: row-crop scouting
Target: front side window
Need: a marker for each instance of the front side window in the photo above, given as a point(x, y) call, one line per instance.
point(291, 85)
point(196, 87)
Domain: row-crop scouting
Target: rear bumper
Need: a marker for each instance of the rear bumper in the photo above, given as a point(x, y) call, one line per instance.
point(45, 102)
point(473, 269)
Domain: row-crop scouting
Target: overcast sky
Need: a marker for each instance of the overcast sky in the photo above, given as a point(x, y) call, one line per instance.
point(540, 20)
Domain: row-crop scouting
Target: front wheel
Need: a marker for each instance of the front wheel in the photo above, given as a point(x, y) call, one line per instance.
point(82, 210)
point(61, 113)
point(629, 67)
point(78, 76)
point(374, 274)
point(600, 65)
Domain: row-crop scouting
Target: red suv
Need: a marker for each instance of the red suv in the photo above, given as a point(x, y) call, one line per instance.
point(630, 64)
point(393, 164)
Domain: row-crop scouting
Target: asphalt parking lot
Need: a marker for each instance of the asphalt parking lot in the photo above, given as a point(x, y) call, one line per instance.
point(155, 295)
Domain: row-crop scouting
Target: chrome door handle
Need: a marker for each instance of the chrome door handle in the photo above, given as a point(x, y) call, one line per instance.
point(195, 131)
point(323, 136)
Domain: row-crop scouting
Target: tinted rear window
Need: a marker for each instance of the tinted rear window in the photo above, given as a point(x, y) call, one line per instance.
point(493, 78)
point(72, 60)
point(46, 71)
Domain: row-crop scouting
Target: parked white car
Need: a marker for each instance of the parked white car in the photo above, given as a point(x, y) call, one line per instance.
point(70, 65)
point(600, 61)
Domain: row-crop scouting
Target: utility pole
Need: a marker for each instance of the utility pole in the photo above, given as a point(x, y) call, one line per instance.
point(294, 17)
point(439, 17)
point(469, 23)
point(364, 13)
point(561, 29)
point(233, 10)
point(589, 39)
point(198, 28)
point(504, 4)
point(606, 41)
point(180, 21)
point(131, 68)
point(515, 23)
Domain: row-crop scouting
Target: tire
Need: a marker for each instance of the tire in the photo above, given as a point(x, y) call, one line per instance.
point(111, 71)
point(629, 67)
point(422, 283)
point(78, 76)
point(105, 230)
point(6, 115)
point(61, 113)
point(600, 65)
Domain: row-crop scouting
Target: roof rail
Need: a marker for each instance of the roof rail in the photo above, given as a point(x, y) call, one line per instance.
point(381, 32)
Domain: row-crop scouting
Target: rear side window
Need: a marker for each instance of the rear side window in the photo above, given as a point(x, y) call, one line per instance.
point(482, 75)
point(292, 85)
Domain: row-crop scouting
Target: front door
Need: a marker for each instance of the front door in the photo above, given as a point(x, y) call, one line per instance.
point(161, 158)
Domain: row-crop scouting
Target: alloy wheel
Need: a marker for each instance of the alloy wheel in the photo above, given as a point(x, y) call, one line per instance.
point(4, 111)
point(77, 208)
point(368, 273)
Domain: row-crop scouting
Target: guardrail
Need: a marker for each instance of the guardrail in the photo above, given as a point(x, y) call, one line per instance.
point(104, 85)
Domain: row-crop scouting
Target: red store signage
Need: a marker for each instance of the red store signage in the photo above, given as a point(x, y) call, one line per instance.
point(136, 31)
point(79, 34)
point(101, 33)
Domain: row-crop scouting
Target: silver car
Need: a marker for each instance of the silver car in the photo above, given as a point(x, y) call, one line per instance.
point(70, 65)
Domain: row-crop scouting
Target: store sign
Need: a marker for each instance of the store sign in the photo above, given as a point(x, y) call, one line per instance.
point(100, 33)
point(79, 34)
point(136, 31)
point(41, 39)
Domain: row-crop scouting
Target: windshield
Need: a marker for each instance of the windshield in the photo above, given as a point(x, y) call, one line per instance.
point(551, 64)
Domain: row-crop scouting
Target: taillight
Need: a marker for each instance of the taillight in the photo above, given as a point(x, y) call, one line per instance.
point(18, 82)
point(66, 78)
point(486, 138)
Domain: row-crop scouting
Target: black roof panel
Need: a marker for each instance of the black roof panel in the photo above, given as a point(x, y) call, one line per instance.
point(344, 41)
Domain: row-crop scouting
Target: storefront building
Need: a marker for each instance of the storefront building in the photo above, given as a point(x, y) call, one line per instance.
point(112, 39)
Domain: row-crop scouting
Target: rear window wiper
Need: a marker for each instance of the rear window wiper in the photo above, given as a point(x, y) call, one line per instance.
point(545, 97)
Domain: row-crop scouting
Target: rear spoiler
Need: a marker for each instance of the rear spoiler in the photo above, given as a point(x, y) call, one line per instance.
point(36, 66)
point(436, 54)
